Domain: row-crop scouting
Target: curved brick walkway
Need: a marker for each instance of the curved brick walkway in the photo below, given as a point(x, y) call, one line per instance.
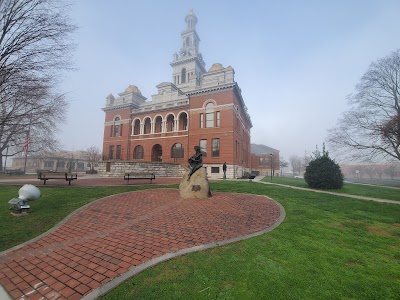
point(107, 241)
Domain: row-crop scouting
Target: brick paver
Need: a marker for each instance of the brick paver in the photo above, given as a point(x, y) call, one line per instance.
point(115, 234)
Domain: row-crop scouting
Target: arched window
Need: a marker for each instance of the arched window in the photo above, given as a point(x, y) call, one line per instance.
point(170, 123)
point(116, 129)
point(183, 75)
point(158, 125)
point(136, 127)
point(177, 151)
point(138, 152)
point(209, 115)
point(183, 122)
point(147, 126)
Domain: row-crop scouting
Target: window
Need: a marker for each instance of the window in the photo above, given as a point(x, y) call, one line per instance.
point(218, 119)
point(117, 127)
point(260, 161)
point(183, 121)
point(214, 169)
point(116, 130)
point(118, 154)
point(170, 123)
point(138, 152)
point(201, 120)
point(136, 127)
point(203, 147)
point(215, 148)
point(209, 115)
point(183, 76)
point(111, 152)
point(177, 151)
point(147, 126)
point(158, 125)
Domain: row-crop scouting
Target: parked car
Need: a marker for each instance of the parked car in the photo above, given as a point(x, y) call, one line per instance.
point(298, 176)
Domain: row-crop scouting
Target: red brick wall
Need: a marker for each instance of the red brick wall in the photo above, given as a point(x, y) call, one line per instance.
point(230, 131)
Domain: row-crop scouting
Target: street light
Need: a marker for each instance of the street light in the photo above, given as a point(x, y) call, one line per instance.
point(271, 155)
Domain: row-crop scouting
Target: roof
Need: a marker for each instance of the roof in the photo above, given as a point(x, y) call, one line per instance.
point(262, 149)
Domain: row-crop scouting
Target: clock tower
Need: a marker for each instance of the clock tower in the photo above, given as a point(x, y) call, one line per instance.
point(188, 65)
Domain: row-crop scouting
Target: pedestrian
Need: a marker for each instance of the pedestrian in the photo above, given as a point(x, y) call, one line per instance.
point(224, 169)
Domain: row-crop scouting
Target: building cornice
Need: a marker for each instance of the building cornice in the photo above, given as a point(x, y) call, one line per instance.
point(117, 107)
point(180, 61)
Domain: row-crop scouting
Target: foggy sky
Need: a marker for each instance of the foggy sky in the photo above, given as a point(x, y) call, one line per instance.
point(295, 61)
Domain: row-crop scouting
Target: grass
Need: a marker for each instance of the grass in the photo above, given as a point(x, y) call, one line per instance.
point(54, 205)
point(328, 247)
point(348, 188)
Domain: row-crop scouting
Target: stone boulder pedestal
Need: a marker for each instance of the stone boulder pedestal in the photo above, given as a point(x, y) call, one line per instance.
point(196, 187)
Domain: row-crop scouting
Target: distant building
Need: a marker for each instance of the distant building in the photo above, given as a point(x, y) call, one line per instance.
point(264, 159)
point(63, 161)
point(199, 107)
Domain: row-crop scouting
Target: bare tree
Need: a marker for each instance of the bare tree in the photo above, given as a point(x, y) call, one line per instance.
point(93, 155)
point(283, 164)
point(35, 48)
point(296, 164)
point(371, 128)
point(393, 170)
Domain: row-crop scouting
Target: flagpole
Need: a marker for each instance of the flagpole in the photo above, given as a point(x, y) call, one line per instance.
point(27, 141)
point(26, 151)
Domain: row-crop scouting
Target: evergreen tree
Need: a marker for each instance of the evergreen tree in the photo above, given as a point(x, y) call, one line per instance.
point(323, 172)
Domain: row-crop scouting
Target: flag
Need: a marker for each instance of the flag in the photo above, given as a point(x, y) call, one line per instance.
point(25, 145)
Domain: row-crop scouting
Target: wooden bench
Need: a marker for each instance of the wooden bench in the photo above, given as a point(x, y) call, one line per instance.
point(46, 175)
point(135, 176)
point(14, 172)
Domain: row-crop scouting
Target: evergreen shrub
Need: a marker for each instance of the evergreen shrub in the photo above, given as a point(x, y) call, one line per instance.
point(323, 173)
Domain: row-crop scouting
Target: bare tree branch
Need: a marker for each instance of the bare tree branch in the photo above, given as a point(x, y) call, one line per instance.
point(35, 51)
point(371, 128)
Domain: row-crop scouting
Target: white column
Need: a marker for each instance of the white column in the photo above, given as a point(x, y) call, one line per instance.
point(141, 128)
point(152, 127)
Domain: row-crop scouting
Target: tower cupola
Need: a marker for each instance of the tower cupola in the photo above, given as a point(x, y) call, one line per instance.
point(188, 65)
point(191, 20)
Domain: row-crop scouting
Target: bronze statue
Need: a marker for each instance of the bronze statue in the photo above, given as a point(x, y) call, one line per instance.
point(196, 161)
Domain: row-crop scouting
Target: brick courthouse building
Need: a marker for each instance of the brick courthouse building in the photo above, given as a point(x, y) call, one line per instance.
point(198, 107)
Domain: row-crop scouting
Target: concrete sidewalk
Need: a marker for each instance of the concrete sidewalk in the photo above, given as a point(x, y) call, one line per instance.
point(258, 180)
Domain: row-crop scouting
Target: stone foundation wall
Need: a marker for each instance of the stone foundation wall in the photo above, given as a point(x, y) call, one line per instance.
point(119, 168)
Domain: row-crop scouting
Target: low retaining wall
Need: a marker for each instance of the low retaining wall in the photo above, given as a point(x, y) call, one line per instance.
point(119, 168)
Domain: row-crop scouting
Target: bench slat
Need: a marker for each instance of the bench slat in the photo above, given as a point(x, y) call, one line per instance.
point(139, 176)
point(57, 175)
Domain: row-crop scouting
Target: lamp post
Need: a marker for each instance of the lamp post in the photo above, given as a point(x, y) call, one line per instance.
point(271, 155)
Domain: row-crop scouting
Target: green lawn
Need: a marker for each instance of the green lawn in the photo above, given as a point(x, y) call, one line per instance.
point(328, 247)
point(348, 188)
